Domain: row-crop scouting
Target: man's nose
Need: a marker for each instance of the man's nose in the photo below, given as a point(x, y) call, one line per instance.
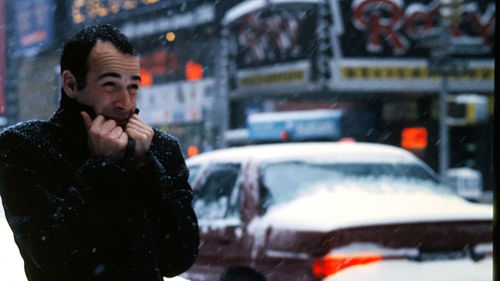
point(123, 101)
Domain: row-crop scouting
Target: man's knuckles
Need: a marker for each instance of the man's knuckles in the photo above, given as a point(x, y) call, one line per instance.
point(140, 136)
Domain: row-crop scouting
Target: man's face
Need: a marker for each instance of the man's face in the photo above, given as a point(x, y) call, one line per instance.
point(113, 80)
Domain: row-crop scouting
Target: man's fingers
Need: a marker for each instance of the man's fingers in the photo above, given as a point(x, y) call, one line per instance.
point(99, 120)
point(137, 124)
point(142, 130)
point(135, 117)
point(142, 141)
point(123, 139)
point(86, 119)
point(141, 133)
point(136, 134)
point(116, 132)
point(109, 125)
point(105, 137)
point(135, 120)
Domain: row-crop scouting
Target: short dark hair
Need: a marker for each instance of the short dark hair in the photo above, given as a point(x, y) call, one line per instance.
point(77, 49)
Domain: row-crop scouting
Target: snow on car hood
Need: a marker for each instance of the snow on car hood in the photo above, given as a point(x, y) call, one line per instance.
point(353, 206)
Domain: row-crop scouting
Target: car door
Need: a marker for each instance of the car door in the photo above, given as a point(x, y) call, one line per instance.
point(217, 205)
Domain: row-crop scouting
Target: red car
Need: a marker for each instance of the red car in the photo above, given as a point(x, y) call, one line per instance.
point(333, 211)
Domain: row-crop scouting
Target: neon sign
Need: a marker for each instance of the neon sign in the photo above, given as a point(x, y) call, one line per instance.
point(281, 35)
point(390, 23)
point(83, 10)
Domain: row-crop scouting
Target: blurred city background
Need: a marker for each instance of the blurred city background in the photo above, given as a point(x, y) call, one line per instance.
point(416, 74)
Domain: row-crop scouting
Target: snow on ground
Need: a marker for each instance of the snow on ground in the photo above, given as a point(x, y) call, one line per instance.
point(11, 263)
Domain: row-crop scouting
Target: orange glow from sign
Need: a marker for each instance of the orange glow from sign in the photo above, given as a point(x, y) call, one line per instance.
point(194, 71)
point(33, 38)
point(192, 150)
point(146, 78)
point(414, 138)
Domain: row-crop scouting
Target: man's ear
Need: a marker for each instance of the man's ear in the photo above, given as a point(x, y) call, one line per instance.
point(69, 84)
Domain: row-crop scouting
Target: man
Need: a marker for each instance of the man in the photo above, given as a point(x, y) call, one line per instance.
point(94, 193)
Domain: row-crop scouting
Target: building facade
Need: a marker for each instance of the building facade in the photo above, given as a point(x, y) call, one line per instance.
point(374, 61)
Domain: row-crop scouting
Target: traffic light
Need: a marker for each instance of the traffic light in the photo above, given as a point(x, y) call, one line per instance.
point(450, 11)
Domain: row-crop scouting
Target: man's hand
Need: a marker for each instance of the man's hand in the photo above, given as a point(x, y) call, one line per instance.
point(105, 137)
point(141, 133)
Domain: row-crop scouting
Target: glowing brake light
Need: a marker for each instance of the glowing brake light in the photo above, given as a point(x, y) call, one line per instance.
point(331, 264)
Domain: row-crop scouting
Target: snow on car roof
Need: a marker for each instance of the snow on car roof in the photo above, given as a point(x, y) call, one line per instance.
point(358, 152)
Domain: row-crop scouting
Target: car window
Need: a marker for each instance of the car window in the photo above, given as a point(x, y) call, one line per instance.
point(286, 181)
point(193, 172)
point(217, 196)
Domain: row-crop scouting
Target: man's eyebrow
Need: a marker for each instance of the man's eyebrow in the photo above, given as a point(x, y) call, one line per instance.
point(117, 75)
point(109, 74)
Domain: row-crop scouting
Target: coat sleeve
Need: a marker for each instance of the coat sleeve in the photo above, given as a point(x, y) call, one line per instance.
point(44, 206)
point(176, 225)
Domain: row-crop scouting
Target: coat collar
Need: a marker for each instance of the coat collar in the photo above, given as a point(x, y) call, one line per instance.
point(68, 116)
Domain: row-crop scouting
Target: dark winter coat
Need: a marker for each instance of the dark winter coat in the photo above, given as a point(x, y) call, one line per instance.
point(80, 217)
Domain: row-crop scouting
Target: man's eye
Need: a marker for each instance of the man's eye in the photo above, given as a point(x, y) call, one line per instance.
point(109, 84)
point(134, 87)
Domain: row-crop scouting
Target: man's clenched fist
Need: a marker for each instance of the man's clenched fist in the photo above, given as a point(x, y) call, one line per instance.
point(141, 133)
point(106, 138)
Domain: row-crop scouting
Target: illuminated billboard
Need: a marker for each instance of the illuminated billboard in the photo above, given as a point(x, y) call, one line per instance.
point(274, 35)
point(34, 24)
point(390, 28)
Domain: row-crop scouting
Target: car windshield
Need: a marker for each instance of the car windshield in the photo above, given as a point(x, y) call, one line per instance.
point(287, 181)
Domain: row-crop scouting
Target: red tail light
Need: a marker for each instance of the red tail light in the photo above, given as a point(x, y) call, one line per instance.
point(331, 264)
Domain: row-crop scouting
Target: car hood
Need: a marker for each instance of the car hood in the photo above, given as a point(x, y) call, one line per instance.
point(327, 210)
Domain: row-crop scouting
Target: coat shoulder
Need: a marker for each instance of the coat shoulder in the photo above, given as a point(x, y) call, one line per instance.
point(164, 141)
point(167, 149)
point(164, 136)
point(25, 133)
